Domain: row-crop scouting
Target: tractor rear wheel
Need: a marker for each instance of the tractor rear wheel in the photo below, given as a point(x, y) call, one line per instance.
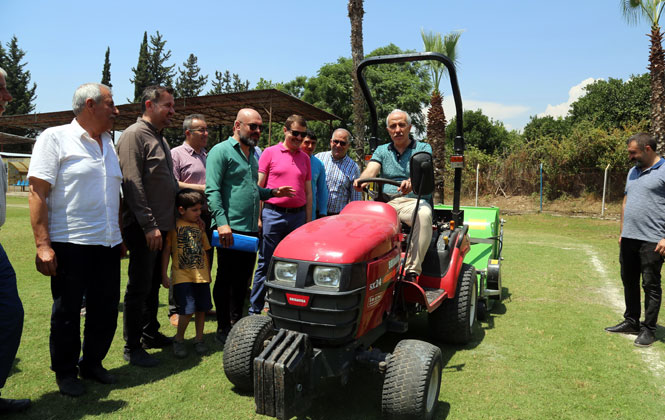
point(245, 342)
point(454, 320)
point(412, 382)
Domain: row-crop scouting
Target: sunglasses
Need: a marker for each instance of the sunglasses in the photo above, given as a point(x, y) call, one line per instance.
point(339, 143)
point(300, 134)
point(254, 126)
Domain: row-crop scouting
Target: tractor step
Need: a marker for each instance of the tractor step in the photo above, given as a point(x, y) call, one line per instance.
point(282, 374)
point(491, 292)
point(432, 294)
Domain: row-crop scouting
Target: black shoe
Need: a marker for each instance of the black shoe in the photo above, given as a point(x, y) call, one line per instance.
point(411, 276)
point(98, 374)
point(139, 357)
point(222, 335)
point(70, 385)
point(157, 341)
point(624, 327)
point(646, 338)
point(8, 406)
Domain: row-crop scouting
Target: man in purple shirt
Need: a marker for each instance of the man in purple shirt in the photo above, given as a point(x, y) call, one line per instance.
point(282, 164)
point(189, 168)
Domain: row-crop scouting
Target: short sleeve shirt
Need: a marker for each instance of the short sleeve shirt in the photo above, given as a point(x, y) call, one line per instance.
point(189, 259)
point(84, 200)
point(283, 167)
point(644, 215)
point(397, 166)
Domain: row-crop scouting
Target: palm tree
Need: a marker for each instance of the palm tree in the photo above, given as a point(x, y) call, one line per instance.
point(436, 119)
point(356, 12)
point(650, 10)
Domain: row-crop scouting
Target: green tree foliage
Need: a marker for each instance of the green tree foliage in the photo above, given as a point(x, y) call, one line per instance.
point(546, 126)
point(190, 83)
point(160, 73)
point(614, 103)
point(405, 86)
point(227, 83)
point(141, 72)
point(106, 71)
point(482, 133)
point(18, 80)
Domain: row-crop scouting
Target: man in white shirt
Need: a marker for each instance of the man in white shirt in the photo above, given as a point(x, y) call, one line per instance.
point(11, 308)
point(74, 202)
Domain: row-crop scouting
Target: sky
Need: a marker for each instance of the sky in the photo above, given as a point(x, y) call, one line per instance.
point(517, 58)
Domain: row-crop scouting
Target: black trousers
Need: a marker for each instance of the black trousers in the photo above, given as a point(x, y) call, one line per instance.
point(638, 258)
point(234, 272)
point(93, 270)
point(11, 317)
point(143, 284)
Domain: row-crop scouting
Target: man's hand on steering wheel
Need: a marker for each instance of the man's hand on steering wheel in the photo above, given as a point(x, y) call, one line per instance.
point(405, 187)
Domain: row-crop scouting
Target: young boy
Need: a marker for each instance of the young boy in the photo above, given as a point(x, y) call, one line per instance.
point(190, 269)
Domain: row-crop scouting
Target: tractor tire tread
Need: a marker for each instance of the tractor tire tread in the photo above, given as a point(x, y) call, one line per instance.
point(244, 343)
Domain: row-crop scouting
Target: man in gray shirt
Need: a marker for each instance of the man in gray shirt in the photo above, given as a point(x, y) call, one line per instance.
point(149, 189)
point(642, 239)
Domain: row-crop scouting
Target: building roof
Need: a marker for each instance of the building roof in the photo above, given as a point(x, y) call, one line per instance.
point(272, 104)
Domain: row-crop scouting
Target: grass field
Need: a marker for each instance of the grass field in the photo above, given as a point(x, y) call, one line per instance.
point(542, 354)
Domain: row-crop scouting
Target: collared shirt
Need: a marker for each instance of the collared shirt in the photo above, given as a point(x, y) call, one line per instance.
point(644, 215)
point(319, 188)
point(284, 167)
point(189, 166)
point(231, 189)
point(148, 183)
point(396, 166)
point(340, 175)
point(84, 200)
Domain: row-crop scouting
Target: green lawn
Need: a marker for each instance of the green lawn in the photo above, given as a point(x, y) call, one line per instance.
point(543, 354)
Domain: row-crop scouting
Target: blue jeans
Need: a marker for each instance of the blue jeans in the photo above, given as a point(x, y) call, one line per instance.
point(276, 226)
point(11, 317)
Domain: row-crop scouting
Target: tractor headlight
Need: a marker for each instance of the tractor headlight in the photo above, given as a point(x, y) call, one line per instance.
point(327, 276)
point(286, 271)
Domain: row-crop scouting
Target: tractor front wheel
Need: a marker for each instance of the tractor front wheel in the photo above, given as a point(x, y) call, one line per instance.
point(453, 321)
point(412, 382)
point(245, 342)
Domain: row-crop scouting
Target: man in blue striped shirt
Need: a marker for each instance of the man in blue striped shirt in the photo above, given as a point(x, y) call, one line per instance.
point(341, 171)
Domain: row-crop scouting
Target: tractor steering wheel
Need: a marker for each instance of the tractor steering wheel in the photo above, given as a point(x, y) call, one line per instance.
point(380, 195)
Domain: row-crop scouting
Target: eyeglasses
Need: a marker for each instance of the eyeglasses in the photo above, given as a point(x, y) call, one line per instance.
point(339, 143)
point(199, 130)
point(300, 134)
point(254, 126)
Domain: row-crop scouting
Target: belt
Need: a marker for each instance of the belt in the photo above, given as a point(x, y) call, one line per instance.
point(285, 210)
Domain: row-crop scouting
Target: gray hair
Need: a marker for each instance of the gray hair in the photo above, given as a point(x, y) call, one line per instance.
point(187, 122)
point(87, 91)
point(3, 72)
point(348, 133)
point(408, 118)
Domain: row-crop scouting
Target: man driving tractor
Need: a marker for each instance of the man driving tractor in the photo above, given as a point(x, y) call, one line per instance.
point(391, 161)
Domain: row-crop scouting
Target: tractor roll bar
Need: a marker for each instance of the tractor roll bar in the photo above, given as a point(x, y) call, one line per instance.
point(458, 146)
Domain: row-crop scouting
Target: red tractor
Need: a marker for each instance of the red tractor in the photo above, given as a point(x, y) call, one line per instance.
point(336, 285)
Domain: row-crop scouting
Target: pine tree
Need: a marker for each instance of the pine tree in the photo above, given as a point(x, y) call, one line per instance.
point(141, 78)
point(227, 83)
point(18, 79)
point(106, 72)
point(190, 83)
point(160, 73)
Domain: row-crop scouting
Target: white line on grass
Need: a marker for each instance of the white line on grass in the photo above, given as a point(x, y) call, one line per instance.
point(650, 355)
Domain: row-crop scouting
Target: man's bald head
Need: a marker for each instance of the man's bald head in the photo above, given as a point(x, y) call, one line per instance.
point(247, 127)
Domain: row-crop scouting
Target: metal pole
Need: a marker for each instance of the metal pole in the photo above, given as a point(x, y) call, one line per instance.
point(541, 187)
point(477, 170)
point(602, 210)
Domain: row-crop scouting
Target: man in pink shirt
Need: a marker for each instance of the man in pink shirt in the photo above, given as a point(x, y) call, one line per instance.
point(282, 164)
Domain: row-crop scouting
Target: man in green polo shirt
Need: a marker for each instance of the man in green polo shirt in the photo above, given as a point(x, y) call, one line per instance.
point(392, 161)
point(233, 198)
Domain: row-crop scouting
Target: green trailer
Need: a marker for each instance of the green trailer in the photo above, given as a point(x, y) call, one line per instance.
point(486, 235)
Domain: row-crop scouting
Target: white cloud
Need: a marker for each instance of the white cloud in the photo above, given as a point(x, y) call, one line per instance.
point(575, 92)
point(493, 110)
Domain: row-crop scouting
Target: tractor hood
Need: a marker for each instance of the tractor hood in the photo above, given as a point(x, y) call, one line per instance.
point(364, 230)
